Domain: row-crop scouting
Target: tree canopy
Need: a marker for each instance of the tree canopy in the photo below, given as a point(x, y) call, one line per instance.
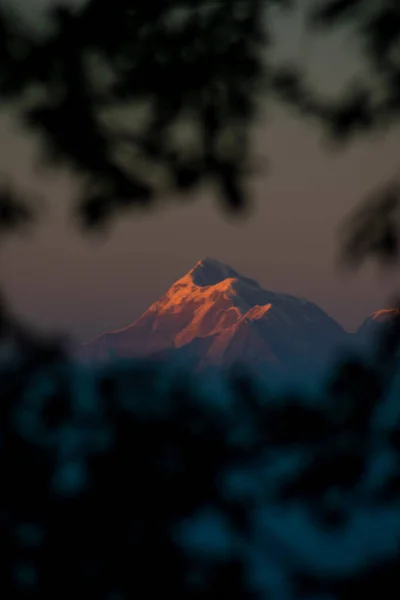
point(371, 102)
point(143, 98)
point(151, 98)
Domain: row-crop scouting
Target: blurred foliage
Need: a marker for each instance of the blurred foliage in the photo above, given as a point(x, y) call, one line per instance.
point(369, 103)
point(133, 481)
point(151, 99)
point(141, 99)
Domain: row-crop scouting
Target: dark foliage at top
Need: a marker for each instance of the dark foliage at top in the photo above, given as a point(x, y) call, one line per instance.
point(371, 102)
point(143, 99)
point(155, 98)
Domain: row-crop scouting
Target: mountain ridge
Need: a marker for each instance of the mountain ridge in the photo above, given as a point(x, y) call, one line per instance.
point(230, 317)
point(213, 316)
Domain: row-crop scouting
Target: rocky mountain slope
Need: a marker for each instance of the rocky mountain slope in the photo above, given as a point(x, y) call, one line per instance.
point(213, 316)
point(370, 328)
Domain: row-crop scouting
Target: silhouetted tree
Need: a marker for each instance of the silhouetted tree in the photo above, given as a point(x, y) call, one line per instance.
point(370, 102)
point(142, 98)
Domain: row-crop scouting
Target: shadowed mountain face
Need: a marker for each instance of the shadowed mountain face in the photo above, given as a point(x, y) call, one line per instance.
point(213, 316)
point(372, 325)
point(367, 336)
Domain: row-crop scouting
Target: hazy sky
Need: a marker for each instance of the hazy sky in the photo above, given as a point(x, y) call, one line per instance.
point(59, 280)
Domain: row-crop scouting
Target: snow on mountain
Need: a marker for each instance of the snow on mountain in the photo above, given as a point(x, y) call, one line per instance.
point(215, 316)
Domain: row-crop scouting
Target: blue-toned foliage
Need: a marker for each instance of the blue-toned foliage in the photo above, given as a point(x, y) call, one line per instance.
point(139, 479)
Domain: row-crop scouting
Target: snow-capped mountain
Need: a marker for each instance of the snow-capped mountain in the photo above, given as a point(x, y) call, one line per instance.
point(214, 316)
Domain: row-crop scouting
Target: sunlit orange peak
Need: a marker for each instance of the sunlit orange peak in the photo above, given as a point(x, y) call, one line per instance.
point(257, 312)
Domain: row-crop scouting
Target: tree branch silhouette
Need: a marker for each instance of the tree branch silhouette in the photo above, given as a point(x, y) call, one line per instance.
point(198, 67)
point(370, 102)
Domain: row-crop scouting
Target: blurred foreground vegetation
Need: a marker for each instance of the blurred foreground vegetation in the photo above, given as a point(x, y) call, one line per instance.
point(138, 479)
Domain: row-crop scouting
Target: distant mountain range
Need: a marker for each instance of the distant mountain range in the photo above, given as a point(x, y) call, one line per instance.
point(215, 317)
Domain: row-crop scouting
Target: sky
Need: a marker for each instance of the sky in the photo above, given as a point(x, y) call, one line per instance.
point(58, 280)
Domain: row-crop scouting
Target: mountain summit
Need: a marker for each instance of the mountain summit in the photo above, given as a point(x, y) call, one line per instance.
point(214, 316)
point(210, 271)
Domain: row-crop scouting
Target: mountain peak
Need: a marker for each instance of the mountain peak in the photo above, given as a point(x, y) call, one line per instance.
point(218, 317)
point(211, 271)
